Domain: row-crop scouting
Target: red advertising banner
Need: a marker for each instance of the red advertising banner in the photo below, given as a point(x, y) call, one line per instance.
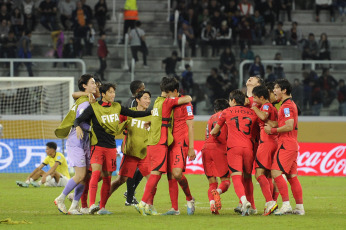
point(314, 159)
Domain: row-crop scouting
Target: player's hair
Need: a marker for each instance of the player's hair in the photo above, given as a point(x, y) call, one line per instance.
point(83, 80)
point(52, 145)
point(97, 80)
point(259, 79)
point(104, 88)
point(260, 91)
point(141, 93)
point(238, 96)
point(169, 84)
point(220, 104)
point(284, 84)
point(135, 85)
point(270, 86)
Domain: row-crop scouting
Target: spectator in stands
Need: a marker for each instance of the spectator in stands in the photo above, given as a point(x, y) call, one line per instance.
point(258, 29)
point(245, 33)
point(257, 68)
point(227, 63)
point(4, 29)
point(341, 5)
point(208, 36)
point(204, 18)
point(80, 21)
point(100, 10)
point(66, 7)
point(270, 76)
point(130, 16)
point(324, 48)
point(231, 8)
point(235, 24)
point(58, 39)
point(28, 8)
point(307, 84)
point(187, 30)
point(170, 63)
point(278, 69)
point(187, 80)
point(17, 22)
point(328, 85)
point(25, 51)
point(215, 85)
point(136, 36)
point(10, 45)
point(69, 51)
point(4, 15)
point(280, 36)
point(268, 13)
point(87, 9)
point(297, 93)
point(246, 8)
point(196, 5)
point(102, 53)
point(192, 18)
point(324, 5)
point(214, 6)
point(342, 97)
point(223, 37)
point(90, 39)
point(294, 34)
point(217, 19)
point(310, 49)
point(246, 54)
point(285, 5)
point(48, 11)
point(315, 98)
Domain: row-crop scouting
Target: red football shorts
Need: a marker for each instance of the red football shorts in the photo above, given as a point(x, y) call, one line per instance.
point(240, 159)
point(129, 164)
point(215, 162)
point(285, 160)
point(177, 153)
point(107, 157)
point(158, 157)
point(265, 155)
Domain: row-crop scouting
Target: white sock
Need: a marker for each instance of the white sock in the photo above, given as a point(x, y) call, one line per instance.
point(31, 180)
point(143, 203)
point(300, 206)
point(74, 204)
point(48, 178)
point(27, 182)
point(243, 199)
point(219, 191)
point(212, 202)
point(62, 196)
point(286, 203)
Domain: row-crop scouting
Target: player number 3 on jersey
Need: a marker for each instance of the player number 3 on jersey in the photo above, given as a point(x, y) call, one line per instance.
point(248, 124)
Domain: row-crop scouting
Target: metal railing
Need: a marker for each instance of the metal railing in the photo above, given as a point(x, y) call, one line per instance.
point(51, 60)
point(114, 16)
point(298, 62)
point(126, 65)
point(183, 43)
point(176, 19)
point(120, 16)
point(168, 9)
point(133, 66)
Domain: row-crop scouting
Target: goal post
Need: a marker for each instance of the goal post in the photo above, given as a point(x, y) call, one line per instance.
point(31, 108)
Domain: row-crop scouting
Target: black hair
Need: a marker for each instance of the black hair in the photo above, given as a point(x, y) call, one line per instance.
point(215, 70)
point(187, 66)
point(324, 70)
point(83, 80)
point(52, 145)
point(104, 88)
point(169, 84)
point(238, 96)
point(27, 32)
point(102, 33)
point(261, 90)
point(135, 85)
point(270, 67)
point(311, 34)
point(97, 80)
point(175, 53)
point(141, 93)
point(220, 104)
point(284, 84)
point(280, 23)
point(138, 23)
point(270, 86)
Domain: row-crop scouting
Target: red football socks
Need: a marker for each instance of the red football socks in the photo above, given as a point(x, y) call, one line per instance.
point(238, 185)
point(173, 192)
point(93, 186)
point(84, 197)
point(271, 185)
point(282, 186)
point(150, 188)
point(106, 185)
point(212, 186)
point(224, 185)
point(296, 190)
point(268, 195)
point(248, 186)
point(185, 187)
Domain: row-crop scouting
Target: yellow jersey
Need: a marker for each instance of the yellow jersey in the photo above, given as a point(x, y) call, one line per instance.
point(62, 167)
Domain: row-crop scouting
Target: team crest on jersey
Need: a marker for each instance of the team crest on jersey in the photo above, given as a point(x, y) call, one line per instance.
point(189, 110)
point(287, 112)
point(266, 107)
point(58, 158)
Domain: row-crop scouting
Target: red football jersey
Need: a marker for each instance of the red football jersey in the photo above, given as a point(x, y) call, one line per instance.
point(287, 111)
point(272, 116)
point(240, 123)
point(253, 103)
point(256, 129)
point(222, 137)
point(182, 113)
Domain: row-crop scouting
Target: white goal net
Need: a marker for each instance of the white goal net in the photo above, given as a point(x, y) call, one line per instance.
point(31, 108)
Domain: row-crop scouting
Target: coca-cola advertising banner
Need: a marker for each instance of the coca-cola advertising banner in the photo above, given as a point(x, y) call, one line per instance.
point(314, 159)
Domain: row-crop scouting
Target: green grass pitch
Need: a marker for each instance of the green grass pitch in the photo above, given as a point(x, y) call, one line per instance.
point(324, 201)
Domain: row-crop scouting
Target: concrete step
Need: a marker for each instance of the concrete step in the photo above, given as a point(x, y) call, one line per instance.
point(301, 16)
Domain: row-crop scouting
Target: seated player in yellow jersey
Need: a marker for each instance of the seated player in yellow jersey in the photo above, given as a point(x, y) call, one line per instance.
point(56, 176)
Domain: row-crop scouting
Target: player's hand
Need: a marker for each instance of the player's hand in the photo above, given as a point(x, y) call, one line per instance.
point(147, 124)
point(267, 128)
point(191, 154)
point(92, 99)
point(79, 133)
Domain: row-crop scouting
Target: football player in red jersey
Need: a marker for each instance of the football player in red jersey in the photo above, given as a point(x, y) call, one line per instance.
point(214, 156)
point(267, 144)
point(285, 159)
point(240, 123)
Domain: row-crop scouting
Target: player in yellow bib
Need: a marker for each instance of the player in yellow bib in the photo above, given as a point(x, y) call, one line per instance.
point(56, 176)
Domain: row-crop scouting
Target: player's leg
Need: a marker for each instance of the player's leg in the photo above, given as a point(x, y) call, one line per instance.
point(93, 185)
point(296, 190)
point(173, 194)
point(132, 184)
point(248, 162)
point(36, 174)
point(84, 198)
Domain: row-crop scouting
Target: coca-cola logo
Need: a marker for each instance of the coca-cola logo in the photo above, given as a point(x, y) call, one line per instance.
point(324, 162)
point(197, 164)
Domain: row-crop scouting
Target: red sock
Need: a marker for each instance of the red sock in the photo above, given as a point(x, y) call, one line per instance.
point(271, 185)
point(282, 186)
point(212, 186)
point(173, 192)
point(84, 197)
point(248, 185)
point(185, 187)
point(224, 185)
point(93, 186)
point(238, 185)
point(151, 200)
point(150, 188)
point(106, 185)
point(296, 190)
point(262, 180)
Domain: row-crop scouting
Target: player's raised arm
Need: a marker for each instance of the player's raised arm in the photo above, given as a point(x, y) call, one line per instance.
point(184, 100)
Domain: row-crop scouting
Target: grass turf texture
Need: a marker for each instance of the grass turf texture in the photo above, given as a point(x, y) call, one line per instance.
point(324, 201)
